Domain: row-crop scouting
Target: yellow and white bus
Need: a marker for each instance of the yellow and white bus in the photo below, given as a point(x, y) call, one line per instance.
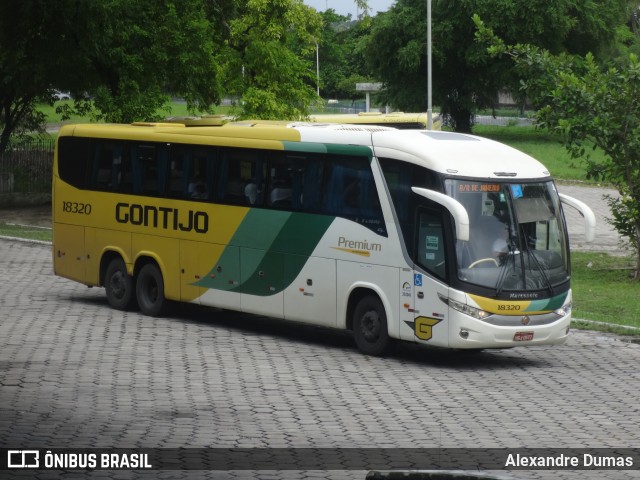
point(433, 237)
point(399, 120)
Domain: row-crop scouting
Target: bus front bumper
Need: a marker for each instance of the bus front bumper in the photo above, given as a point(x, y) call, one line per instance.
point(466, 332)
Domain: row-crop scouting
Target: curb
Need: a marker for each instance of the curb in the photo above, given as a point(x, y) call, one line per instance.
point(26, 240)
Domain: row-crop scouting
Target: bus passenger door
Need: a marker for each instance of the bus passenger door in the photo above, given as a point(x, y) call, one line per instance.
point(430, 315)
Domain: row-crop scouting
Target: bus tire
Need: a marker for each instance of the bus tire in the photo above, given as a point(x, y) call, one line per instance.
point(150, 290)
point(370, 326)
point(118, 285)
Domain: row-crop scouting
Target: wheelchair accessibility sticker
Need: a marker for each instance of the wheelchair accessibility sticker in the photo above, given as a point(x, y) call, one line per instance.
point(417, 279)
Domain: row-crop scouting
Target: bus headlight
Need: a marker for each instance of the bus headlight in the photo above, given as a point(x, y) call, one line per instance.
point(468, 310)
point(564, 310)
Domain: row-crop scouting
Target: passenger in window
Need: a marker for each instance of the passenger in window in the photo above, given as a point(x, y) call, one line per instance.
point(191, 188)
point(281, 193)
point(200, 191)
point(251, 191)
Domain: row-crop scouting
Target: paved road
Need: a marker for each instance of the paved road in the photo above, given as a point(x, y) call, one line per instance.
point(606, 238)
point(74, 373)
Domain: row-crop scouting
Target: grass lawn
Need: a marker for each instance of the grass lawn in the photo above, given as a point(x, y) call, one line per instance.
point(22, 231)
point(603, 290)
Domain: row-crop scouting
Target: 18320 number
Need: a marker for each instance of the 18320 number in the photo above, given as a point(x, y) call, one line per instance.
point(508, 307)
point(76, 207)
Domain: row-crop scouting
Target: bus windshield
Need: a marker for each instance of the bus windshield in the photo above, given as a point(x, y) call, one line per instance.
point(517, 235)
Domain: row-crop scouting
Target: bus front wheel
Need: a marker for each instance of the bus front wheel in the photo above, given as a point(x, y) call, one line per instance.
point(370, 326)
point(150, 290)
point(118, 285)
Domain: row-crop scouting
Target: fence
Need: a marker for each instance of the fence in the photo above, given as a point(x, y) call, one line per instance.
point(26, 167)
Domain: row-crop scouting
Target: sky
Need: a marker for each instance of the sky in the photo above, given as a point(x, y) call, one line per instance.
point(344, 7)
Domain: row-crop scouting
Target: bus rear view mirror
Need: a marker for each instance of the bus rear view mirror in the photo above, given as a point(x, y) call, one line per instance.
point(586, 212)
point(455, 208)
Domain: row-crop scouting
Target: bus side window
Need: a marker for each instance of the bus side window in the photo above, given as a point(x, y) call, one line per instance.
point(430, 244)
point(149, 169)
point(284, 178)
point(311, 194)
point(293, 182)
point(191, 172)
point(74, 160)
point(242, 177)
point(201, 178)
point(179, 172)
point(110, 166)
point(400, 177)
point(350, 192)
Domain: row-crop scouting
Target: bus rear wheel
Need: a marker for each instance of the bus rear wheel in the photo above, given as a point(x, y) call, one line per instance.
point(118, 285)
point(150, 290)
point(370, 326)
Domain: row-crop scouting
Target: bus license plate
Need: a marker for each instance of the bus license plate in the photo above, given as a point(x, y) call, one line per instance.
point(523, 336)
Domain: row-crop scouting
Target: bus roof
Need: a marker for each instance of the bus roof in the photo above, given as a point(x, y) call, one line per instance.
point(446, 152)
point(459, 154)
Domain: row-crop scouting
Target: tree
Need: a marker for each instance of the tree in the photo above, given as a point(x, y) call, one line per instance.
point(126, 56)
point(123, 60)
point(268, 60)
point(465, 78)
point(342, 46)
point(30, 39)
point(589, 105)
point(145, 51)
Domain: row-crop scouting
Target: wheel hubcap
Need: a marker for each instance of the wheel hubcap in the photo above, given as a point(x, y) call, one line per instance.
point(370, 326)
point(118, 285)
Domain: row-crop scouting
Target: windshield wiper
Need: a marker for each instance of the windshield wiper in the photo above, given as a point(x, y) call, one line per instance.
point(540, 269)
point(512, 251)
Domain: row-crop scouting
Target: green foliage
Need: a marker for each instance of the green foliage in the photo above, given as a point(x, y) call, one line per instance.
point(590, 107)
point(465, 77)
point(341, 55)
point(30, 36)
point(602, 107)
point(624, 214)
point(145, 50)
point(123, 60)
point(270, 59)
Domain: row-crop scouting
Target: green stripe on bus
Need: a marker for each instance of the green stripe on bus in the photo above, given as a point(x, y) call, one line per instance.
point(547, 304)
point(298, 238)
point(259, 247)
point(331, 148)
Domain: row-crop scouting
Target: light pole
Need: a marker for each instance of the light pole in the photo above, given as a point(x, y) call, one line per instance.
point(318, 68)
point(429, 99)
